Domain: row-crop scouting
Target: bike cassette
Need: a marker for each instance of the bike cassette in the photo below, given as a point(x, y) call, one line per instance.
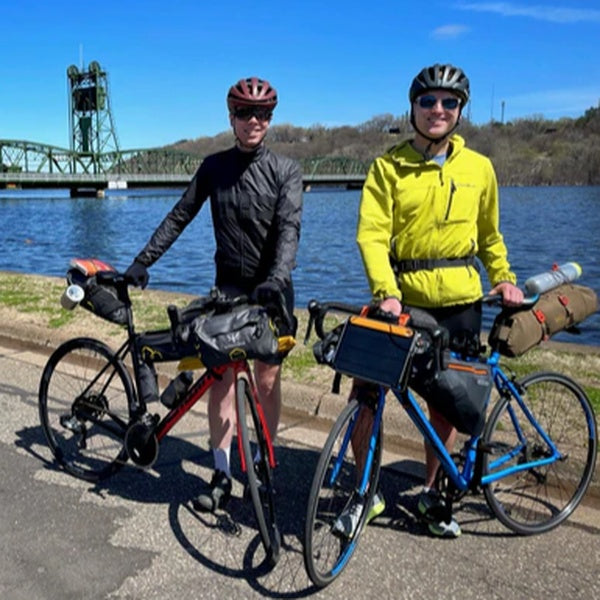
point(141, 444)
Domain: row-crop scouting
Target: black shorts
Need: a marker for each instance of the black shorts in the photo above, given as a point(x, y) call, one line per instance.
point(463, 322)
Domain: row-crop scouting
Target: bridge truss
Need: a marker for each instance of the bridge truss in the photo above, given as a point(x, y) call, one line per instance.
point(19, 156)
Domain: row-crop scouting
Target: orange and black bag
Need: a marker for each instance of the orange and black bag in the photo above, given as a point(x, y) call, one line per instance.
point(515, 331)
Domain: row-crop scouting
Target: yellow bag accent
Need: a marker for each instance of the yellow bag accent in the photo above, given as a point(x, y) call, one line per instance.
point(285, 343)
point(190, 363)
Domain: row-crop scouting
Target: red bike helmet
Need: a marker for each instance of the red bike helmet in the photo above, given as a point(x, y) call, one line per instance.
point(441, 77)
point(251, 91)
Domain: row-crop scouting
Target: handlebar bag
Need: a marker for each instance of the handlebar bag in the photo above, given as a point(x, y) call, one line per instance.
point(514, 332)
point(245, 332)
point(375, 351)
point(100, 299)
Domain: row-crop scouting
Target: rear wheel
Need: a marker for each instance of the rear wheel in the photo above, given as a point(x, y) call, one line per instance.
point(258, 470)
point(335, 487)
point(84, 408)
point(539, 498)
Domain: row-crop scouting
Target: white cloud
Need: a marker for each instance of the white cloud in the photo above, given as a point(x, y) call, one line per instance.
point(449, 31)
point(536, 11)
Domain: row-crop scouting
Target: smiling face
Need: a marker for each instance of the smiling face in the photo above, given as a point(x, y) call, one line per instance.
point(250, 128)
point(436, 113)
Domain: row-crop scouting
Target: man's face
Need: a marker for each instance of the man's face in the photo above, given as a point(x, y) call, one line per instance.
point(250, 126)
point(436, 112)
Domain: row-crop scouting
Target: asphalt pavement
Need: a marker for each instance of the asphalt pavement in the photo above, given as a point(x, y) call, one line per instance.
point(135, 535)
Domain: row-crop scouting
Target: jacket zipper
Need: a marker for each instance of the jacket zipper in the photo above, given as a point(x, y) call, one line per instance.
point(452, 190)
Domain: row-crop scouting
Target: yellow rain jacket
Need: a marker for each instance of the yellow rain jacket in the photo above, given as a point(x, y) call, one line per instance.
point(414, 209)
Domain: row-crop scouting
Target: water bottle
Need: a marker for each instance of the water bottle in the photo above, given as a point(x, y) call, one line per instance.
point(538, 284)
point(72, 296)
point(177, 388)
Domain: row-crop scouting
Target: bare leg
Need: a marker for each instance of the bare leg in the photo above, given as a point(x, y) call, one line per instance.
point(268, 384)
point(447, 434)
point(221, 413)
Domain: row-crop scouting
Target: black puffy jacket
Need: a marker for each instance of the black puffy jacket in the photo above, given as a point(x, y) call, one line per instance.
point(256, 204)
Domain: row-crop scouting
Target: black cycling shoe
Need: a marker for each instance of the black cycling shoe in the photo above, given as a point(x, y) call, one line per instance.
point(216, 495)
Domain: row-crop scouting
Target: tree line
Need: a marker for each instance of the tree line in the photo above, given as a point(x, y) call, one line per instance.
point(528, 151)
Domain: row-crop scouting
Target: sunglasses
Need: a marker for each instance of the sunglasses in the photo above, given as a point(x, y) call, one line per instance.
point(246, 113)
point(431, 101)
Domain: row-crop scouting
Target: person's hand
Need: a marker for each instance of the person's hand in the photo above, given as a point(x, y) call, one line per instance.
point(511, 294)
point(267, 292)
point(392, 305)
point(137, 274)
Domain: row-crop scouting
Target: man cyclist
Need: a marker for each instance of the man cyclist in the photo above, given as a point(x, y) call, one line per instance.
point(256, 205)
point(428, 210)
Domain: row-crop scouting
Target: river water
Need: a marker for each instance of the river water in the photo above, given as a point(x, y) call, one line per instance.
point(42, 230)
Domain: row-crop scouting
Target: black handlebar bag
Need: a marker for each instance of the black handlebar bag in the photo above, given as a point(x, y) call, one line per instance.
point(245, 332)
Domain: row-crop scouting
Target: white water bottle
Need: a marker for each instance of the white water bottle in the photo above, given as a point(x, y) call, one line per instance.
point(538, 284)
point(72, 296)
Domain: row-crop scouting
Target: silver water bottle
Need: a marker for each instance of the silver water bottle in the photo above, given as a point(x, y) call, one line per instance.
point(543, 282)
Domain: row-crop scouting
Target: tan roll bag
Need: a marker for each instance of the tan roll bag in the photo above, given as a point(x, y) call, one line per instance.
point(516, 331)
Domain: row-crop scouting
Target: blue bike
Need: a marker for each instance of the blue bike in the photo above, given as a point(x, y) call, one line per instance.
point(533, 461)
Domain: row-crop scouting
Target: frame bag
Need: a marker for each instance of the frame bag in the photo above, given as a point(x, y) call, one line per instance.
point(516, 331)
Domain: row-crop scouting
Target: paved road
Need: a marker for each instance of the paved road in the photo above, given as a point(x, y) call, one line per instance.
point(135, 536)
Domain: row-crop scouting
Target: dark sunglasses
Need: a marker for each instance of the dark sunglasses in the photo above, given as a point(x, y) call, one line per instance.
point(246, 113)
point(431, 101)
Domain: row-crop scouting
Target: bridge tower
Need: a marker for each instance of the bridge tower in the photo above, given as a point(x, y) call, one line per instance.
point(91, 125)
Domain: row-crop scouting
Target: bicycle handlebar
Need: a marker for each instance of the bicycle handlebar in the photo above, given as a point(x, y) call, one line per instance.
point(496, 300)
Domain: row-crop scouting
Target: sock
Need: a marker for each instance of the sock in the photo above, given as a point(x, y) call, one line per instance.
point(221, 459)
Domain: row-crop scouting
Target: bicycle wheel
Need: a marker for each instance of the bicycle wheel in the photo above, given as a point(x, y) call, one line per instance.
point(258, 470)
point(334, 487)
point(537, 499)
point(84, 408)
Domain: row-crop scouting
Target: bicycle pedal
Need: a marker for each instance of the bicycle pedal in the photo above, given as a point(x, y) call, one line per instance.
point(72, 423)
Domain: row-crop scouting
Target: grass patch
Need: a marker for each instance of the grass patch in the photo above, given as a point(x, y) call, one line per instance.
point(38, 298)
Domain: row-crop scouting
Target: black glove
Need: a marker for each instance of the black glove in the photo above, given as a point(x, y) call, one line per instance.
point(137, 274)
point(267, 292)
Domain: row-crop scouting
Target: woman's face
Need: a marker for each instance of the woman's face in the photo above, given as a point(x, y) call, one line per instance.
point(250, 127)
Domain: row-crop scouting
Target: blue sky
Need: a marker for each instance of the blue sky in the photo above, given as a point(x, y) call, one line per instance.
point(334, 63)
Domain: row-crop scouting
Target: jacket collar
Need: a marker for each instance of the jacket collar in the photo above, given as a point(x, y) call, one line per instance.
point(406, 156)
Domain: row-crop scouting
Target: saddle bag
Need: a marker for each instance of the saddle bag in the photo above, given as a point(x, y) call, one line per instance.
point(99, 299)
point(515, 331)
point(245, 332)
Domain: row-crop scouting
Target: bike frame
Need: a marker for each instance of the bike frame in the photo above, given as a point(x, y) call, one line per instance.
point(465, 477)
point(194, 394)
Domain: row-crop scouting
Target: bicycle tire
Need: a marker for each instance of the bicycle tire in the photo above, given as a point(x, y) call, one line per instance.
point(536, 500)
point(84, 399)
point(258, 472)
point(326, 553)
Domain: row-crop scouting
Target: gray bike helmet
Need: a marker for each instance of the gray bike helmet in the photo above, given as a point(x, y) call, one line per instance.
point(441, 77)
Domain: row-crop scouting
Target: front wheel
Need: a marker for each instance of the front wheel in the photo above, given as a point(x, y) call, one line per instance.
point(537, 499)
point(84, 408)
point(258, 469)
point(333, 523)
